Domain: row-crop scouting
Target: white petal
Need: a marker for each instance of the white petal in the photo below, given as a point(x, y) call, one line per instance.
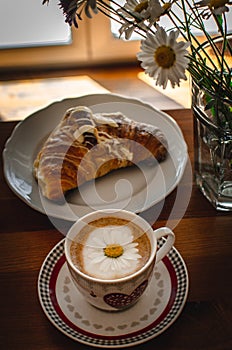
point(121, 235)
point(97, 242)
point(128, 32)
point(107, 236)
point(116, 265)
point(172, 38)
point(105, 265)
point(98, 259)
point(132, 256)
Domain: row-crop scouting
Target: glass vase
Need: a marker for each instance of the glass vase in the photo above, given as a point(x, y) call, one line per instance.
point(212, 149)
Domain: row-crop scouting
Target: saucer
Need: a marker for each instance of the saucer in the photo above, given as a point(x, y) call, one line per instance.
point(156, 310)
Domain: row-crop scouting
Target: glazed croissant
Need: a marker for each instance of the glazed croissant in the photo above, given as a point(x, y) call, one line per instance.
point(85, 146)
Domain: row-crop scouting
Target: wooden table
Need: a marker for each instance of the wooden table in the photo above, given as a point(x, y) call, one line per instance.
point(203, 237)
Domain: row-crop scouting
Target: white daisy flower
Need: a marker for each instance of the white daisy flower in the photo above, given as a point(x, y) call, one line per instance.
point(164, 58)
point(109, 252)
point(156, 10)
point(135, 9)
point(133, 13)
point(142, 13)
point(216, 7)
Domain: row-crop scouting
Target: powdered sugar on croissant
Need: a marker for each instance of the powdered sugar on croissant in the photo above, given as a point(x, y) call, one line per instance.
point(85, 146)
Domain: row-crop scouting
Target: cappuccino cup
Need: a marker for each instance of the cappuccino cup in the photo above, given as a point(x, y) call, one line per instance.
point(111, 255)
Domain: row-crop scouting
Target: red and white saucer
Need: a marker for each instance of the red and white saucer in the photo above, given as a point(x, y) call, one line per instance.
point(156, 310)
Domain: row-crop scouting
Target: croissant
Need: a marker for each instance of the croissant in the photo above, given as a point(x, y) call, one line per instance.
point(85, 146)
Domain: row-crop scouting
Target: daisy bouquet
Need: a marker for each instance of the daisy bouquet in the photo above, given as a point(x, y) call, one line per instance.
point(167, 53)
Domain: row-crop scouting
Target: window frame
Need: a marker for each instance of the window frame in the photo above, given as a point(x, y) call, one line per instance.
point(49, 56)
point(92, 43)
point(87, 48)
point(105, 47)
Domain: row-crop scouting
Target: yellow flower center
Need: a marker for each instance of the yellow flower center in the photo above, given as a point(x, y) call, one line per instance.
point(166, 7)
point(113, 250)
point(142, 6)
point(217, 3)
point(165, 56)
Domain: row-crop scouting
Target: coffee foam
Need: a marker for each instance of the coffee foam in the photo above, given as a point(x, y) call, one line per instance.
point(97, 264)
point(129, 240)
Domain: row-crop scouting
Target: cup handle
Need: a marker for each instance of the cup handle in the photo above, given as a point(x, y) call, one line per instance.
point(167, 246)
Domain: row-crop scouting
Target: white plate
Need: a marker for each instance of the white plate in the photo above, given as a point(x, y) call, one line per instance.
point(133, 188)
point(160, 305)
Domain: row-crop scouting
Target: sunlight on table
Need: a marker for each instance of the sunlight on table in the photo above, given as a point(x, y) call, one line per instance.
point(19, 99)
point(181, 94)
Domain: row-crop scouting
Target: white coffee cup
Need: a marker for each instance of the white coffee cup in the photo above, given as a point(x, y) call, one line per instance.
point(122, 292)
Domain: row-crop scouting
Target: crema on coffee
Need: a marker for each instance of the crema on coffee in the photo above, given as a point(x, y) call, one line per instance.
point(110, 248)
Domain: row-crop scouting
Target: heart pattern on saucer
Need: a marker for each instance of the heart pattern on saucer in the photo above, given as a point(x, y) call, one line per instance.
point(121, 300)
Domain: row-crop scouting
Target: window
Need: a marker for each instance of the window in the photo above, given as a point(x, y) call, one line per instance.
point(95, 41)
point(27, 24)
point(36, 35)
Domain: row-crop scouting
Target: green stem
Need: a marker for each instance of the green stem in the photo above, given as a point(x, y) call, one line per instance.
point(186, 21)
point(195, 22)
point(223, 32)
